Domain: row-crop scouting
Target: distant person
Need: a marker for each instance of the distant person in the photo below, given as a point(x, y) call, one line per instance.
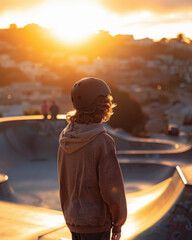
point(45, 109)
point(54, 110)
point(92, 191)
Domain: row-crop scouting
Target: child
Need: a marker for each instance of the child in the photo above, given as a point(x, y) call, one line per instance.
point(92, 192)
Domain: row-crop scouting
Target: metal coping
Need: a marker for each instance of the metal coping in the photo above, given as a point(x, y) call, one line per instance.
point(181, 175)
point(29, 117)
point(3, 178)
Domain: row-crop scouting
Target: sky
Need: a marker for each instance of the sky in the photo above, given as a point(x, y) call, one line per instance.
point(74, 20)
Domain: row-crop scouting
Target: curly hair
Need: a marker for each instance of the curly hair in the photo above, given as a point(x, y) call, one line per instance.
point(99, 111)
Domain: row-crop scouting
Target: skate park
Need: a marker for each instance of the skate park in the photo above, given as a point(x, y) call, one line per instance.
point(156, 172)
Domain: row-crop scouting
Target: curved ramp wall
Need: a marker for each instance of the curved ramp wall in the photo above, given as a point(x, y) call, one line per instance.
point(6, 191)
point(31, 139)
point(169, 216)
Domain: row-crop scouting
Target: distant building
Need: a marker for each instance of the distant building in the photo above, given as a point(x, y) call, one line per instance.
point(174, 43)
point(143, 94)
point(32, 70)
point(16, 98)
point(99, 65)
point(29, 91)
point(126, 38)
point(12, 110)
point(144, 41)
point(179, 114)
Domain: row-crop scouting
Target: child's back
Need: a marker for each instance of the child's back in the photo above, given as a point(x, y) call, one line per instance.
point(91, 186)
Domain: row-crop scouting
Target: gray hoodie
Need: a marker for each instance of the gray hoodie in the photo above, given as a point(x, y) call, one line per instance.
point(91, 186)
point(75, 135)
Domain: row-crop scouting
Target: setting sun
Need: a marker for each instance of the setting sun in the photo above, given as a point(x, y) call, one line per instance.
point(72, 23)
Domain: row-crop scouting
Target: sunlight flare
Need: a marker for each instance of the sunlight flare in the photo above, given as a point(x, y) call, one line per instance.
point(72, 22)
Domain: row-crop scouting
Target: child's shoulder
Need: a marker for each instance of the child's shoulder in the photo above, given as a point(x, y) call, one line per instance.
point(105, 138)
point(104, 144)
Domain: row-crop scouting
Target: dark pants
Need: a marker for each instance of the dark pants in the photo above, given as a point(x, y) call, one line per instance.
point(53, 117)
point(91, 236)
point(45, 116)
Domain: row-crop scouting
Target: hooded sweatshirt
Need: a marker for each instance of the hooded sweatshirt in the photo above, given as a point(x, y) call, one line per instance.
point(92, 192)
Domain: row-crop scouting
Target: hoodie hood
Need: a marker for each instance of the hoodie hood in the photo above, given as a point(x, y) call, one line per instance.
point(76, 135)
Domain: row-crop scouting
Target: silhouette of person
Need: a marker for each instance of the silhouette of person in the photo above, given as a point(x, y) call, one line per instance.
point(54, 110)
point(45, 109)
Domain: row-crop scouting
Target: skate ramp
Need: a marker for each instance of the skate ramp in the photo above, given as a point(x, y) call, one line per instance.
point(155, 192)
point(28, 156)
point(142, 176)
point(151, 150)
point(31, 138)
point(159, 212)
point(6, 191)
point(162, 212)
point(129, 145)
point(21, 222)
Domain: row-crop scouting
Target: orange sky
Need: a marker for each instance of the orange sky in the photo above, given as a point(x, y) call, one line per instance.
point(74, 20)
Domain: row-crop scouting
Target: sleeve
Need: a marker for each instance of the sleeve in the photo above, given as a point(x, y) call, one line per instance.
point(59, 156)
point(112, 187)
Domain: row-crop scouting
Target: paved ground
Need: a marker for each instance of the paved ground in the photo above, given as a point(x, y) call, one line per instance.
point(28, 156)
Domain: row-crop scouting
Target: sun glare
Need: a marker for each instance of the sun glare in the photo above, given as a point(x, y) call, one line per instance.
point(74, 25)
point(74, 21)
point(71, 22)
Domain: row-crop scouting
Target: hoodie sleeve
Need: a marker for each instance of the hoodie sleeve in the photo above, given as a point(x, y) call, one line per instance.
point(112, 186)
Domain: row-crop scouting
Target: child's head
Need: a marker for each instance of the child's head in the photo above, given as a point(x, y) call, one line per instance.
point(92, 101)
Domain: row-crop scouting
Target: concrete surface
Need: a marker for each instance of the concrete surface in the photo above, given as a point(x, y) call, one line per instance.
point(27, 222)
point(158, 193)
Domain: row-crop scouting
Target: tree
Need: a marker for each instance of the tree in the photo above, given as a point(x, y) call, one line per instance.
point(128, 113)
point(13, 26)
point(12, 75)
point(180, 37)
point(163, 40)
